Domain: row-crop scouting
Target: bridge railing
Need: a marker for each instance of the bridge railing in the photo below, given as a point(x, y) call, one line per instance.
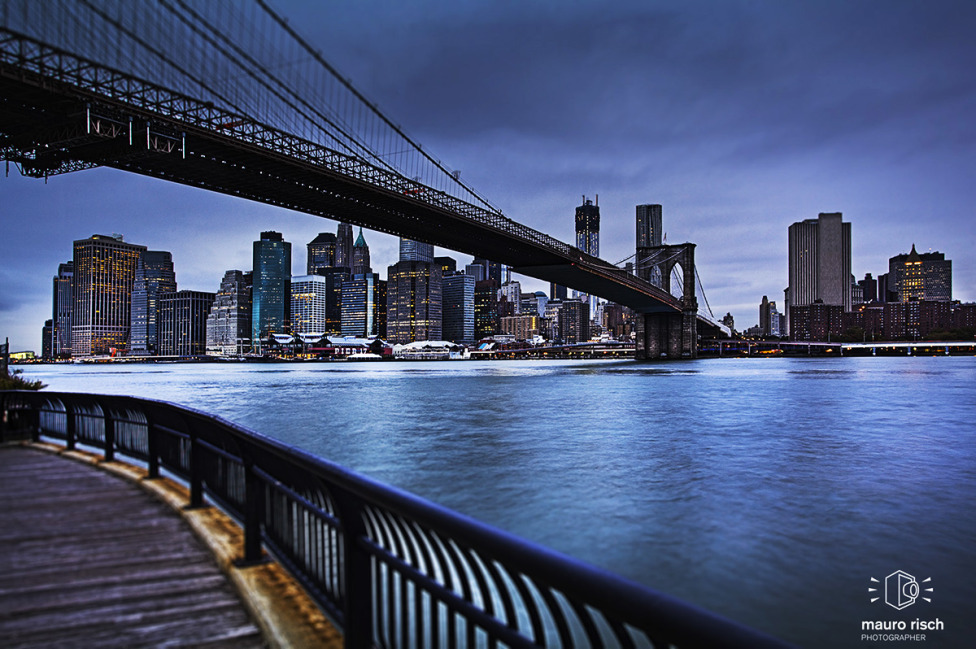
point(391, 569)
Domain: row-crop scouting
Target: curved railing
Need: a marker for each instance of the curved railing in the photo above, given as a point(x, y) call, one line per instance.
point(391, 569)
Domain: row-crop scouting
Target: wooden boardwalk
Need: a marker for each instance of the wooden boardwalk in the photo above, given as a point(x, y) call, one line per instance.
point(88, 559)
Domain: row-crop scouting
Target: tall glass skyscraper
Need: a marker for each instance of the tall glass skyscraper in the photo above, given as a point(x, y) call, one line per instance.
point(270, 300)
point(101, 316)
point(458, 307)
point(364, 306)
point(411, 250)
point(154, 276)
point(344, 246)
point(61, 320)
point(588, 227)
point(413, 302)
point(321, 252)
point(588, 239)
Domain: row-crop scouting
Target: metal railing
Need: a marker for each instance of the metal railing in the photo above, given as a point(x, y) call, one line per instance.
point(391, 569)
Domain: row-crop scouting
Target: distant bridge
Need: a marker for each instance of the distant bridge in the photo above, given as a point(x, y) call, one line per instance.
point(229, 98)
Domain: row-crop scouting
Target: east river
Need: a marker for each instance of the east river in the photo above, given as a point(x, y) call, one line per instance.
point(768, 490)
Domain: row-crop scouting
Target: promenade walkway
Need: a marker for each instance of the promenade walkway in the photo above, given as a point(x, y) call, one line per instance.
point(88, 559)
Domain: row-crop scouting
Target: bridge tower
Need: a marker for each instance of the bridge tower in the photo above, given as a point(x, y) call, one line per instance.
point(668, 333)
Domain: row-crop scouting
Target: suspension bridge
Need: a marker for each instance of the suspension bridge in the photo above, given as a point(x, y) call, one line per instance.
point(228, 97)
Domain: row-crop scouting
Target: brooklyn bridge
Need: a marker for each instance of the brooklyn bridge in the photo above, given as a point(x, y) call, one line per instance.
point(208, 95)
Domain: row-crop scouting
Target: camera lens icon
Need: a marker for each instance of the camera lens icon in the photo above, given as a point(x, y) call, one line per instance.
point(901, 590)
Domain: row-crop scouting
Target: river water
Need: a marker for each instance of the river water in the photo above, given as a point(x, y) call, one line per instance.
point(768, 490)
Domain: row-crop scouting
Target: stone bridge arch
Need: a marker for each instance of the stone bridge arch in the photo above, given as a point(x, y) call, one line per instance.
point(670, 334)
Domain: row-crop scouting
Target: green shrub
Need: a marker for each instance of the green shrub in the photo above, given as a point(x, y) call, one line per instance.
point(14, 381)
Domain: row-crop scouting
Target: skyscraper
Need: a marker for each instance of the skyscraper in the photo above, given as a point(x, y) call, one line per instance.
point(344, 245)
point(649, 224)
point(413, 302)
point(485, 309)
point(493, 269)
point(61, 320)
point(869, 288)
point(183, 322)
point(820, 262)
point(321, 252)
point(309, 299)
point(458, 309)
point(364, 300)
point(154, 276)
point(360, 256)
point(101, 315)
point(229, 321)
point(920, 276)
point(270, 300)
point(588, 239)
point(411, 250)
point(574, 322)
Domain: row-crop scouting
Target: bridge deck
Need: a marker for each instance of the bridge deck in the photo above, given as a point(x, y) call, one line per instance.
point(90, 560)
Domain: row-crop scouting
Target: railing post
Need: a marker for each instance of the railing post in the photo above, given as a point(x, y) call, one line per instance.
point(3, 416)
point(196, 471)
point(109, 434)
point(152, 444)
point(254, 496)
point(356, 574)
point(69, 430)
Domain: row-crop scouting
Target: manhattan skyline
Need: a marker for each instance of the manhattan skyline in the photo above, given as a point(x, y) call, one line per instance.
point(738, 118)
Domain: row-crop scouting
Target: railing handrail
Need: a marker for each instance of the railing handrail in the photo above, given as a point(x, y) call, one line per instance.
point(468, 567)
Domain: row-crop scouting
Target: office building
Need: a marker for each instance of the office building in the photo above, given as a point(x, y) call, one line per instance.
point(47, 339)
point(869, 289)
point(413, 302)
point(618, 321)
point(649, 224)
point(477, 271)
point(61, 316)
point(521, 327)
point(557, 291)
point(588, 239)
point(493, 269)
point(485, 309)
point(819, 263)
point(154, 276)
point(309, 299)
point(920, 276)
point(364, 299)
point(104, 269)
point(458, 307)
point(344, 246)
point(360, 256)
point(335, 279)
point(411, 250)
point(511, 292)
point(321, 252)
point(183, 322)
point(447, 264)
point(270, 300)
point(574, 322)
point(229, 320)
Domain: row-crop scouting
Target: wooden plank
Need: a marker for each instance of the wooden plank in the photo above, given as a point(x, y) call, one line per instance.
point(90, 560)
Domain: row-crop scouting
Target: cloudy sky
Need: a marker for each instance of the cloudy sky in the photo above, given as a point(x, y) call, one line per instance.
point(739, 117)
